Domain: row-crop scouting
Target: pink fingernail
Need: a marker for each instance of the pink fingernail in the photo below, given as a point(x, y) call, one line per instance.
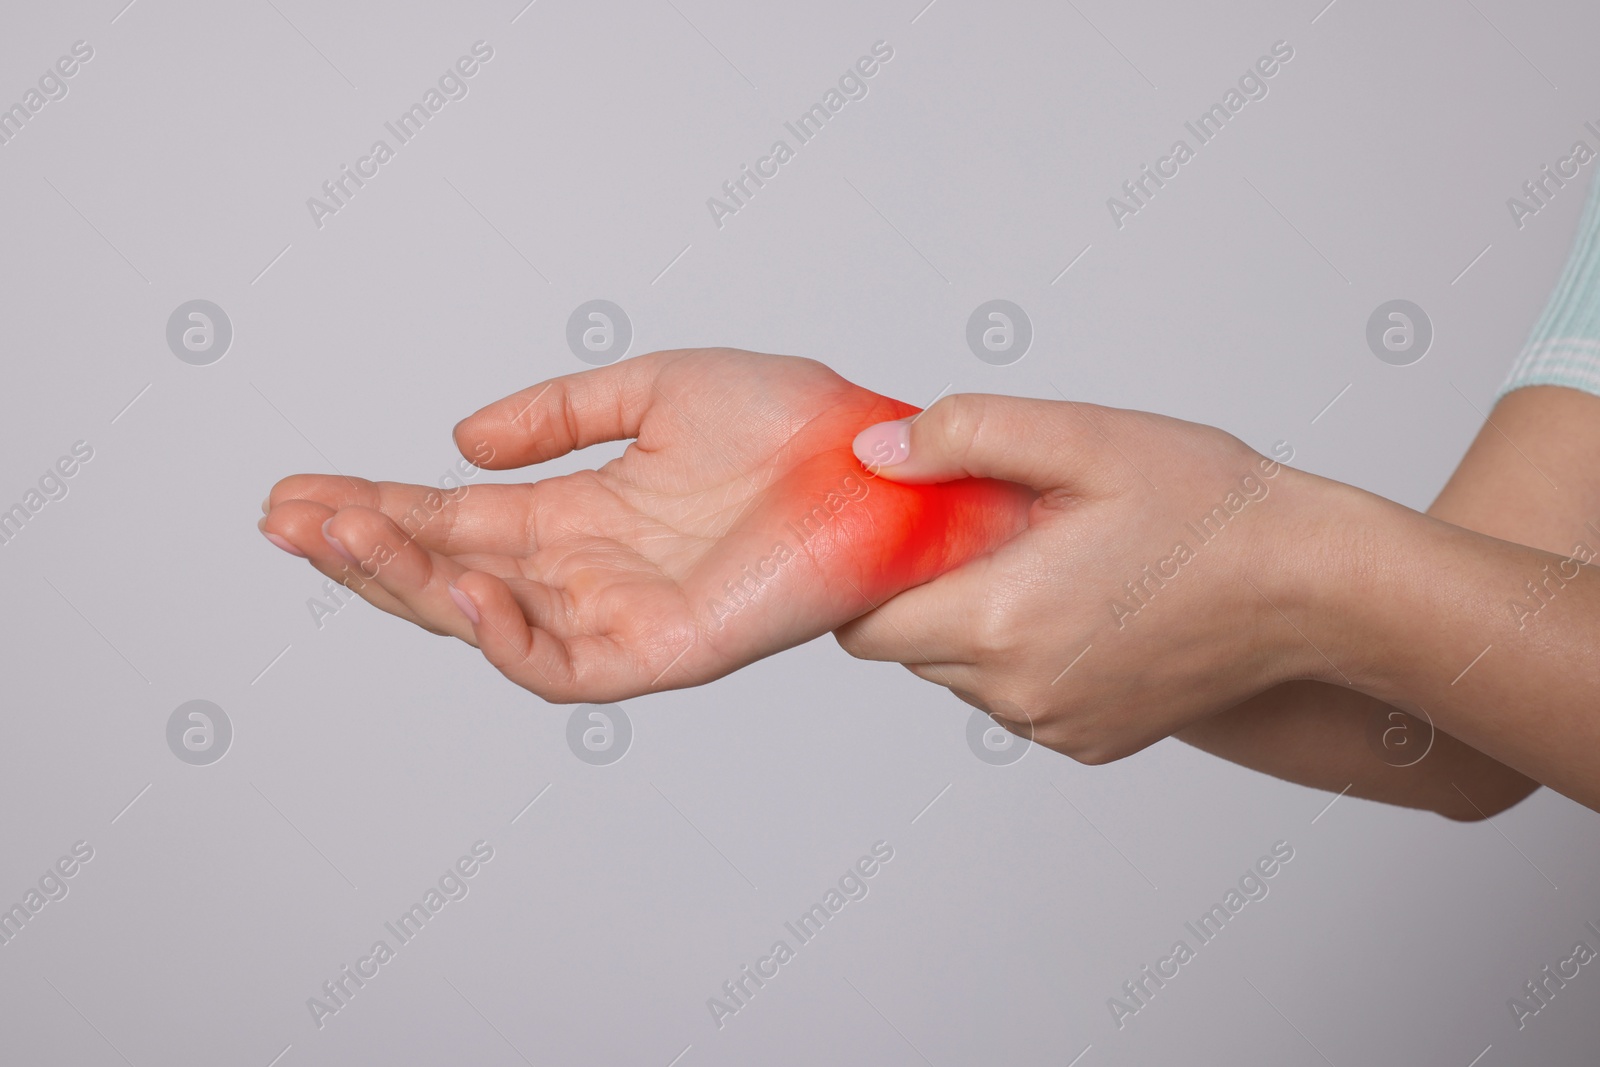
point(334, 543)
point(885, 444)
point(468, 608)
point(283, 543)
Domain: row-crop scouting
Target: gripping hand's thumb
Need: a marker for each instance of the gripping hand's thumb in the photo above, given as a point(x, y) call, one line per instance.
point(975, 435)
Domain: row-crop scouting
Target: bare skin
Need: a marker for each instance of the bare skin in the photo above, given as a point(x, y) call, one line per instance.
point(1317, 734)
point(736, 524)
point(1311, 583)
point(995, 555)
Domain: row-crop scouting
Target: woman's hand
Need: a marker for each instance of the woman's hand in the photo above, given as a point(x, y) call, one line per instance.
point(1168, 572)
point(1148, 591)
point(736, 524)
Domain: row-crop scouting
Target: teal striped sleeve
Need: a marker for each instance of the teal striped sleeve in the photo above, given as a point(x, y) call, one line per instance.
point(1564, 347)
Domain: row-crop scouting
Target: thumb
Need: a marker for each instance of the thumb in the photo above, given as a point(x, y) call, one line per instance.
point(1037, 443)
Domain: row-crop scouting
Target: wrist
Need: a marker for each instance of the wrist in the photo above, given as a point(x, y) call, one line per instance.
point(1323, 576)
point(1379, 590)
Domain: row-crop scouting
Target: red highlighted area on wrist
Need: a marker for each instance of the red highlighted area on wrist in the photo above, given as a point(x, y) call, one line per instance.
point(831, 540)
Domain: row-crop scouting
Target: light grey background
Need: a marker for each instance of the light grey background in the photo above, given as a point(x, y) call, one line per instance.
point(368, 755)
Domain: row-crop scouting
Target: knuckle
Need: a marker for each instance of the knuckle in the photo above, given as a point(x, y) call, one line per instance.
point(1014, 716)
point(851, 639)
point(994, 628)
point(364, 528)
point(571, 417)
point(956, 422)
point(1083, 744)
point(294, 487)
point(1091, 755)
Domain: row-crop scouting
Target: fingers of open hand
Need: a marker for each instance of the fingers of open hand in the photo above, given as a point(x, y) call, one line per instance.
point(528, 653)
point(487, 517)
point(330, 490)
point(401, 577)
point(296, 526)
point(564, 414)
point(380, 552)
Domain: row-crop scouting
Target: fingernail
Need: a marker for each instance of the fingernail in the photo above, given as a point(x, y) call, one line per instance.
point(468, 608)
point(333, 543)
point(281, 542)
point(266, 503)
point(885, 444)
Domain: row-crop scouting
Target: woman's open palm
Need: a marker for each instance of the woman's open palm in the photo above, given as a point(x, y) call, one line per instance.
point(736, 524)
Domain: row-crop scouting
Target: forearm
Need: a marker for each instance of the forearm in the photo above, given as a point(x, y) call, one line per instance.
point(1496, 641)
point(1530, 477)
point(1337, 738)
